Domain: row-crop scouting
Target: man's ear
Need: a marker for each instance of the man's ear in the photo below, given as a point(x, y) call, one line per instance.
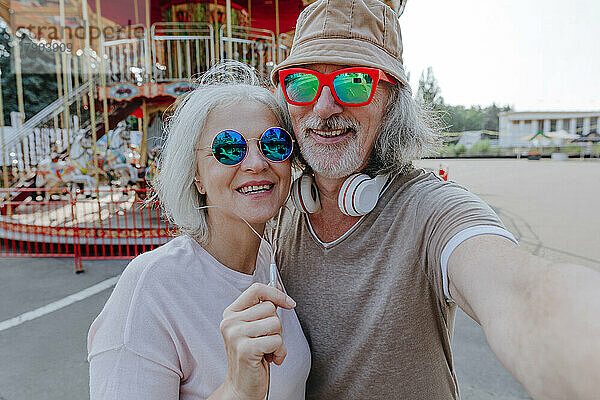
point(199, 186)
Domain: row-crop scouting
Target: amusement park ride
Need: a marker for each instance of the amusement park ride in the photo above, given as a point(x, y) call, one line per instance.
point(120, 65)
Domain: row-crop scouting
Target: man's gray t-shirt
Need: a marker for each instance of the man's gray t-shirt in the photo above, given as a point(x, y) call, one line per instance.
point(371, 303)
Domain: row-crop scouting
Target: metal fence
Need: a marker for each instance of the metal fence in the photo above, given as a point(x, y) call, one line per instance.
point(113, 224)
point(252, 46)
point(127, 59)
point(181, 49)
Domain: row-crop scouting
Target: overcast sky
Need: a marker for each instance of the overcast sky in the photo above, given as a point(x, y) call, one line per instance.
point(531, 54)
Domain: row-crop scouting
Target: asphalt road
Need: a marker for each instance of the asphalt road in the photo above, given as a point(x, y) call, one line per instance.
point(551, 207)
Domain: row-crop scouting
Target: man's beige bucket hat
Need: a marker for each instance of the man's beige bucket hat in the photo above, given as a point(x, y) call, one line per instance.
point(362, 33)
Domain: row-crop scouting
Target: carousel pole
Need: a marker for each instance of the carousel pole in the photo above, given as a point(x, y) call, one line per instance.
point(137, 15)
point(276, 31)
point(59, 89)
point(229, 44)
point(18, 77)
point(103, 75)
point(148, 63)
point(144, 144)
point(104, 102)
point(4, 149)
point(91, 90)
point(217, 34)
point(17, 67)
point(76, 76)
point(65, 71)
point(250, 12)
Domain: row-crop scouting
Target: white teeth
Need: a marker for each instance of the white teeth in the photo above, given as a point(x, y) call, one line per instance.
point(254, 189)
point(334, 133)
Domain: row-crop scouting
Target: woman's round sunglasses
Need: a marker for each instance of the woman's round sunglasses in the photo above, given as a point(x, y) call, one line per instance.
point(230, 147)
point(353, 86)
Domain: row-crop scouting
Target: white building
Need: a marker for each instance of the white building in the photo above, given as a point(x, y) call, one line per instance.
point(514, 126)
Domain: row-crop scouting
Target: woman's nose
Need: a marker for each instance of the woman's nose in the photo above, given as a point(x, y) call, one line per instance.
point(326, 106)
point(254, 161)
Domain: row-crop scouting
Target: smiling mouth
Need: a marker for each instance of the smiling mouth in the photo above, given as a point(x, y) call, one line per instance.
point(255, 189)
point(331, 133)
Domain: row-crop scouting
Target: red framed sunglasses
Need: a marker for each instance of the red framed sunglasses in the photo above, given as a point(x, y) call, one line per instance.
point(352, 86)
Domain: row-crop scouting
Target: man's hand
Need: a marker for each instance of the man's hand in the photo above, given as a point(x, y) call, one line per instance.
point(540, 319)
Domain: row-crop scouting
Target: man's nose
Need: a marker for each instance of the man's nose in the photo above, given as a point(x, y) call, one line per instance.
point(254, 161)
point(326, 106)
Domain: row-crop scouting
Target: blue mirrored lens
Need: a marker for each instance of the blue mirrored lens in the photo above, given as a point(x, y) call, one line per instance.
point(353, 87)
point(301, 87)
point(229, 147)
point(276, 144)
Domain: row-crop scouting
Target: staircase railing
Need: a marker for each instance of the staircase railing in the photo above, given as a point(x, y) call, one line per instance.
point(50, 111)
point(45, 135)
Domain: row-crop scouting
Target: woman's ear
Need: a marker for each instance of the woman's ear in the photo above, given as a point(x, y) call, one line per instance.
point(199, 186)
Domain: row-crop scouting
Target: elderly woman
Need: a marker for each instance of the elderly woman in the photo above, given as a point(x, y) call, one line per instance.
point(194, 319)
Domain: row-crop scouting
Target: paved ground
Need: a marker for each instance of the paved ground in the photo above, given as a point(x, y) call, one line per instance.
point(551, 207)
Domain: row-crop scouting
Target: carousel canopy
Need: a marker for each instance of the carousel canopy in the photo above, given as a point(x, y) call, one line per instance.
point(45, 13)
point(263, 11)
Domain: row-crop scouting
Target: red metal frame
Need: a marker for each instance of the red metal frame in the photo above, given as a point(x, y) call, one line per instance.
point(327, 80)
point(30, 228)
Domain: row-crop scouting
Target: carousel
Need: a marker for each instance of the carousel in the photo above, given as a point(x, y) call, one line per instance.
point(75, 173)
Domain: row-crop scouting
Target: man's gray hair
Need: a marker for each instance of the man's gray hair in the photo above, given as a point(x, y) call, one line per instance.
point(224, 85)
point(409, 131)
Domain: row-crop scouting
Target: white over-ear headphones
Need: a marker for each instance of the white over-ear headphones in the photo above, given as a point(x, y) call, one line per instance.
point(358, 195)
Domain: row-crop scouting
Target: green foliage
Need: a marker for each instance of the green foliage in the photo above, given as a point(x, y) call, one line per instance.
point(480, 147)
point(460, 149)
point(447, 149)
point(571, 149)
point(474, 118)
point(457, 118)
point(429, 91)
point(596, 148)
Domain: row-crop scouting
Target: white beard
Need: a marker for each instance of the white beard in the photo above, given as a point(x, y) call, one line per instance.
point(335, 160)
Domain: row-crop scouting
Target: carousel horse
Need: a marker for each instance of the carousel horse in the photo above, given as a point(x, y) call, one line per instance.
point(75, 173)
point(115, 157)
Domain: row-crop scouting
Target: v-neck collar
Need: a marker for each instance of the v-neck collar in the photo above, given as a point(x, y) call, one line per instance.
point(329, 245)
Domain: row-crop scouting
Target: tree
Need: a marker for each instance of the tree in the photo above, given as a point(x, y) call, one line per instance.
point(491, 116)
point(429, 91)
point(38, 76)
point(457, 118)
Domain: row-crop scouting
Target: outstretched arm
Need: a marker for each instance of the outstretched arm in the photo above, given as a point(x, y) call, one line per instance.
point(541, 319)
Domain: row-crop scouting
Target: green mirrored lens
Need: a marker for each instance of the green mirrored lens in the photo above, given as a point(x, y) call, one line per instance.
point(301, 87)
point(353, 87)
point(229, 147)
point(276, 144)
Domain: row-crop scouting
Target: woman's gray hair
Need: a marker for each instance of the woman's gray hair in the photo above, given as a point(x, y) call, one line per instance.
point(224, 85)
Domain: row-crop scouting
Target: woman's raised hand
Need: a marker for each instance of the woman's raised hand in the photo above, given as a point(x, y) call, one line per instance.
point(251, 330)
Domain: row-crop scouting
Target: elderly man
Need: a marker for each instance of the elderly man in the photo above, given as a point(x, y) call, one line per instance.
point(377, 263)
